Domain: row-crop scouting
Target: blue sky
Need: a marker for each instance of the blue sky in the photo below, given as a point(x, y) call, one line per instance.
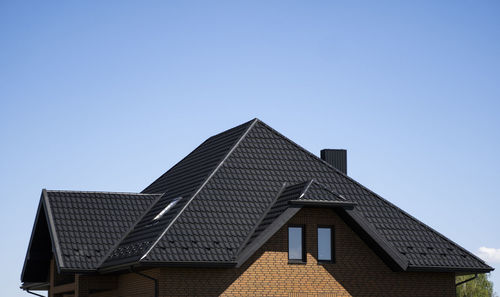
point(108, 95)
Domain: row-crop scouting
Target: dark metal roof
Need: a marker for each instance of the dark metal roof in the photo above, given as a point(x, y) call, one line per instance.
point(88, 224)
point(236, 188)
point(217, 222)
point(184, 180)
point(83, 227)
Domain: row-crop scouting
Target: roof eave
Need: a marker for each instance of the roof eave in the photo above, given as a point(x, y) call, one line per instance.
point(147, 264)
point(78, 270)
point(35, 286)
point(199, 264)
point(462, 270)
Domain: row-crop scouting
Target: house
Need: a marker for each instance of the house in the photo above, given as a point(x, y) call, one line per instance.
point(247, 213)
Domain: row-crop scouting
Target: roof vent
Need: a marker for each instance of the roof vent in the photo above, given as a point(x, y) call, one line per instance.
point(335, 157)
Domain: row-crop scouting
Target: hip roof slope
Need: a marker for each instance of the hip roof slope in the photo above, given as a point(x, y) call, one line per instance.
point(215, 225)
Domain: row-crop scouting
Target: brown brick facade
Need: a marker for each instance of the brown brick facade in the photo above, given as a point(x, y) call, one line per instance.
point(358, 271)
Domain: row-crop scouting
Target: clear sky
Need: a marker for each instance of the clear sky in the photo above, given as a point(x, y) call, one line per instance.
point(107, 95)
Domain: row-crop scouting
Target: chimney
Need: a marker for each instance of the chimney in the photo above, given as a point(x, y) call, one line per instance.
point(336, 158)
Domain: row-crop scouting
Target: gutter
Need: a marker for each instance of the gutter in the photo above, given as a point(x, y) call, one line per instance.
point(467, 280)
point(32, 293)
point(157, 288)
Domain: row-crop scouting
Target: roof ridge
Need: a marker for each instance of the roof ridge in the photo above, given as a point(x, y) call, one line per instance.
point(101, 192)
point(185, 157)
point(209, 177)
point(368, 190)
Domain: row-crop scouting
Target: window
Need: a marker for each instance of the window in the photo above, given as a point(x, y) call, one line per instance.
point(167, 208)
point(325, 244)
point(296, 246)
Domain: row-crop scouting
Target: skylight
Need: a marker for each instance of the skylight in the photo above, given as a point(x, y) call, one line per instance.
point(167, 208)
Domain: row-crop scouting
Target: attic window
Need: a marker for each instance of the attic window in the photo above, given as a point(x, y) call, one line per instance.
point(167, 208)
point(325, 244)
point(296, 244)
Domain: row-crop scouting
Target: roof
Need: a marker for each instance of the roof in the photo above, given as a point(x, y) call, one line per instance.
point(84, 226)
point(185, 180)
point(232, 201)
point(240, 184)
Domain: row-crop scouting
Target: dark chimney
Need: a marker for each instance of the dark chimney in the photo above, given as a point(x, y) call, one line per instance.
point(336, 158)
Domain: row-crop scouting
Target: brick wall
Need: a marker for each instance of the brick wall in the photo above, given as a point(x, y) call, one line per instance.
point(131, 285)
point(357, 271)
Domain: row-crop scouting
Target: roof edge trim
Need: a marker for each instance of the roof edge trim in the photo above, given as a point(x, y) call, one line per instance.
point(327, 189)
point(320, 203)
point(394, 255)
point(449, 269)
point(78, 270)
point(52, 229)
point(34, 285)
point(266, 234)
point(188, 264)
point(254, 121)
point(101, 192)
